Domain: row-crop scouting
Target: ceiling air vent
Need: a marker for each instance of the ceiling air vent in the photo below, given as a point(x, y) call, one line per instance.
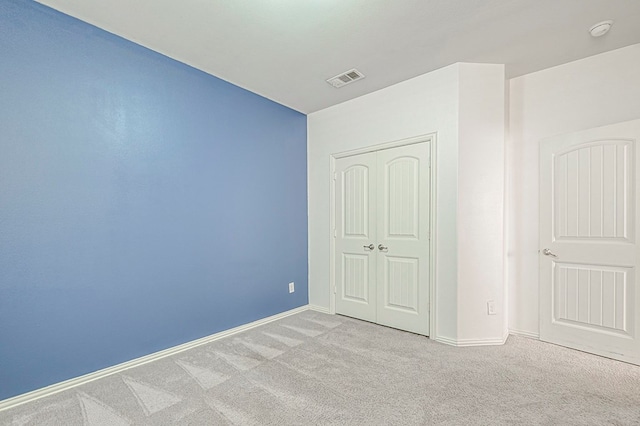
point(345, 78)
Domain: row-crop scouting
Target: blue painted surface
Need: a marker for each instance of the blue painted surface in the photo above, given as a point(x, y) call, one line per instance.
point(143, 203)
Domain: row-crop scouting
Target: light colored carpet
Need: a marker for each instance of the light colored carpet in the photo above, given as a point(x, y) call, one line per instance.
point(312, 368)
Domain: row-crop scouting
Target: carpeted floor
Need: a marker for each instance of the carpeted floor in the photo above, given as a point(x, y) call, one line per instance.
point(312, 368)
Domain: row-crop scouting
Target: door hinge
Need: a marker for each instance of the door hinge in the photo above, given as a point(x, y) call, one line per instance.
point(335, 289)
point(335, 233)
point(335, 176)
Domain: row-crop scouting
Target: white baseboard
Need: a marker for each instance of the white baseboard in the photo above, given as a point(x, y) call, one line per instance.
point(77, 381)
point(522, 333)
point(471, 342)
point(320, 309)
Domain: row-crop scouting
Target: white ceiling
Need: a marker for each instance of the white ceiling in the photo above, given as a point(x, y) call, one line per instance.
point(286, 49)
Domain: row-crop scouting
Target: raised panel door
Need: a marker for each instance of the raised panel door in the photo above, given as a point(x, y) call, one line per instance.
point(588, 236)
point(355, 261)
point(403, 237)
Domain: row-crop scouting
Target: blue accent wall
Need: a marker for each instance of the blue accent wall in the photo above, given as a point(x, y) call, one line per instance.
point(143, 203)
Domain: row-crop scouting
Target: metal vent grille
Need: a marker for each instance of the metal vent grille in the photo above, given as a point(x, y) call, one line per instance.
point(345, 78)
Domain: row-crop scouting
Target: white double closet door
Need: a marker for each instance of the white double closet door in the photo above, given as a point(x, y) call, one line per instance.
point(382, 237)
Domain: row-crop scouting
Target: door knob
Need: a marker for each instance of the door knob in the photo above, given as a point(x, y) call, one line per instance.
point(381, 247)
point(548, 252)
point(370, 246)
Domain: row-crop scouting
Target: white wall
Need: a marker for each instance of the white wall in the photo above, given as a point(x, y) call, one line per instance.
point(596, 91)
point(481, 145)
point(422, 105)
point(431, 103)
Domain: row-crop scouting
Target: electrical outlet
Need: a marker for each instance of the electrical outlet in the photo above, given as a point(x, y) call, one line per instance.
point(292, 287)
point(491, 307)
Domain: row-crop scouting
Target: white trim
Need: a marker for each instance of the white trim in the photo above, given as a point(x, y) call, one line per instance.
point(320, 309)
point(523, 333)
point(505, 209)
point(433, 233)
point(77, 381)
point(431, 139)
point(332, 235)
point(393, 144)
point(445, 340)
point(460, 343)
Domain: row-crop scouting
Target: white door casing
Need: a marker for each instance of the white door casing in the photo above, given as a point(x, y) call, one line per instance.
point(383, 198)
point(589, 298)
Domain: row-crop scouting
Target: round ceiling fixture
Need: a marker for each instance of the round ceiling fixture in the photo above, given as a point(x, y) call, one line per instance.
point(601, 28)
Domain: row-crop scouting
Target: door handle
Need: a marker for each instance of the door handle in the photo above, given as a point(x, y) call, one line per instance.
point(370, 246)
point(548, 252)
point(381, 247)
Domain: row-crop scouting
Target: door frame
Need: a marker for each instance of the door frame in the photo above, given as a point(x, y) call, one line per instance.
point(431, 138)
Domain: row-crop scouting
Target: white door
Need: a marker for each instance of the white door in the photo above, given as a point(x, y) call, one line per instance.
point(403, 237)
point(382, 237)
point(589, 241)
point(355, 264)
